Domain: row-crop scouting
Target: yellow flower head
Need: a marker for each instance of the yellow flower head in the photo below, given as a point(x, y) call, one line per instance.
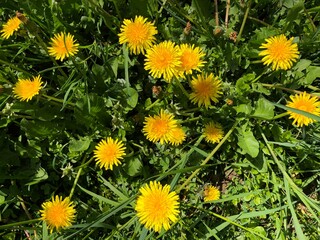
point(304, 102)
point(138, 34)
point(26, 89)
point(12, 25)
point(177, 136)
point(109, 152)
point(211, 193)
point(58, 213)
point(279, 52)
point(159, 127)
point(157, 207)
point(63, 46)
point(163, 60)
point(213, 132)
point(204, 89)
point(190, 59)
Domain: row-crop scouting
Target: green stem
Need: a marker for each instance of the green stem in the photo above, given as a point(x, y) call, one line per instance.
point(182, 87)
point(310, 19)
point(191, 119)
point(244, 21)
point(19, 223)
point(208, 157)
point(152, 104)
point(280, 115)
point(78, 176)
point(259, 21)
point(126, 65)
point(58, 100)
point(227, 220)
point(15, 68)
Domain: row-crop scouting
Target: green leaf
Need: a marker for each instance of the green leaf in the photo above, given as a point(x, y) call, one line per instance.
point(313, 73)
point(243, 108)
point(203, 8)
point(247, 142)
point(131, 97)
point(302, 65)
point(133, 167)
point(40, 175)
point(242, 84)
point(263, 109)
point(40, 129)
point(294, 11)
point(79, 145)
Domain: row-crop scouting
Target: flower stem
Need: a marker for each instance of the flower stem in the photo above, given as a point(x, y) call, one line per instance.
point(191, 119)
point(126, 66)
point(58, 100)
point(208, 157)
point(244, 21)
point(78, 176)
point(19, 223)
point(280, 115)
point(182, 87)
point(152, 104)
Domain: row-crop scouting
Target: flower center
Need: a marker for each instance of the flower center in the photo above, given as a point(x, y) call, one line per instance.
point(189, 60)
point(163, 59)
point(161, 127)
point(110, 153)
point(137, 33)
point(204, 89)
point(279, 51)
point(56, 215)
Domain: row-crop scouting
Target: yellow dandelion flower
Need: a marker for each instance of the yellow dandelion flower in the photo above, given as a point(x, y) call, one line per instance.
point(190, 59)
point(177, 136)
point(204, 89)
point(213, 132)
point(211, 193)
point(159, 127)
point(163, 60)
point(138, 34)
point(109, 152)
point(279, 52)
point(12, 25)
point(304, 102)
point(26, 89)
point(63, 46)
point(157, 207)
point(58, 213)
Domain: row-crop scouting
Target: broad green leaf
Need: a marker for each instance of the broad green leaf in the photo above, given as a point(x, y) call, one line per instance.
point(248, 142)
point(133, 167)
point(313, 72)
point(302, 65)
point(263, 109)
point(242, 84)
point(243, 108)
point(79, 145)
point(131, 96)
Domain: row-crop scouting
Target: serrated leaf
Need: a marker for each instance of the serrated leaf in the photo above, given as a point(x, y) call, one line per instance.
point(79, 145)
point(243, 108)
point(248, 143)
point(263, 109)
point(133, 167)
